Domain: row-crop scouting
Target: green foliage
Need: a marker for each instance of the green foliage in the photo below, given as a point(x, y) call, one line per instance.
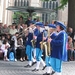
point(63, 3)
point(18, 14)
point(25, 15)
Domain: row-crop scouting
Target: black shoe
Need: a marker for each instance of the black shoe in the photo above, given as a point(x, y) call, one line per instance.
point(44, 67)
point(35, 69)
point(27, 65)
point(52, 72)
point(46, 74)
point(33, 63)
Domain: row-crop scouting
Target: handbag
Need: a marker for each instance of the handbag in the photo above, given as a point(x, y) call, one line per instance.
point(11, 56)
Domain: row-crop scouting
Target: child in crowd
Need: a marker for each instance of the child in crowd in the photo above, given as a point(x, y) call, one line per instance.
point(4, 48)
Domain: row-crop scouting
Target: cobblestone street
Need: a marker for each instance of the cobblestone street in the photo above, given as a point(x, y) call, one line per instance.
point(17, 68)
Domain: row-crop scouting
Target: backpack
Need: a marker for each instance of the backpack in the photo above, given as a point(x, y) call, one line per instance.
point(11, 56)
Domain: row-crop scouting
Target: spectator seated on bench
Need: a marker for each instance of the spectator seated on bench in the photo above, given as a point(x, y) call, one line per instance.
point(4, 48)
point(21, 49)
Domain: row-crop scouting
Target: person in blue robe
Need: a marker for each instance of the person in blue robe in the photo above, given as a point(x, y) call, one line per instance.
point(29, 37)
point(39, 51)
point(53, 34)
point(29, 48)
point(59, 48)
point(35, 33)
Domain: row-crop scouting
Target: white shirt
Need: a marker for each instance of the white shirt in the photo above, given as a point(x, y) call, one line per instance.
point(15, 42)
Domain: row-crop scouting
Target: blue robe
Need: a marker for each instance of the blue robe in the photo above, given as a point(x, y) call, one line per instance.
point(47, 58)
point(53, 35)
point(59, 46)
point(36, 32)
point(29, 46)
point(59, 51)
point(56, 64)
point(38, 49)
point(29, 38)
point(39, 39)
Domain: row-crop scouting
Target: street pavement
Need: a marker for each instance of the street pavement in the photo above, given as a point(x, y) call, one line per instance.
point(17, 68)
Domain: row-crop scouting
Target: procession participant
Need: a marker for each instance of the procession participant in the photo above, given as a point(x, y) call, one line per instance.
point(35, 33)
point(59, 48)
point(33, 30)
point(53, 34)
point(29, 49)
point(39, 38)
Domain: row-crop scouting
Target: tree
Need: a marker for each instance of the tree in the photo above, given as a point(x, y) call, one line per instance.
point(17, 15)
point(71, 14)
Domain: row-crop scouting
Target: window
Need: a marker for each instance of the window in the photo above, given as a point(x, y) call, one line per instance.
point(21, 2)
point(51, 5)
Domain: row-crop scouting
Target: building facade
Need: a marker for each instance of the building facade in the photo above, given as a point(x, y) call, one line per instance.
point(52, 15)
point(6, 15)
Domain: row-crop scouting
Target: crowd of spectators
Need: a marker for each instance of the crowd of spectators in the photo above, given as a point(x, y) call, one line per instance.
point(11, 41)
point(12, 37)
point(71, 44)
